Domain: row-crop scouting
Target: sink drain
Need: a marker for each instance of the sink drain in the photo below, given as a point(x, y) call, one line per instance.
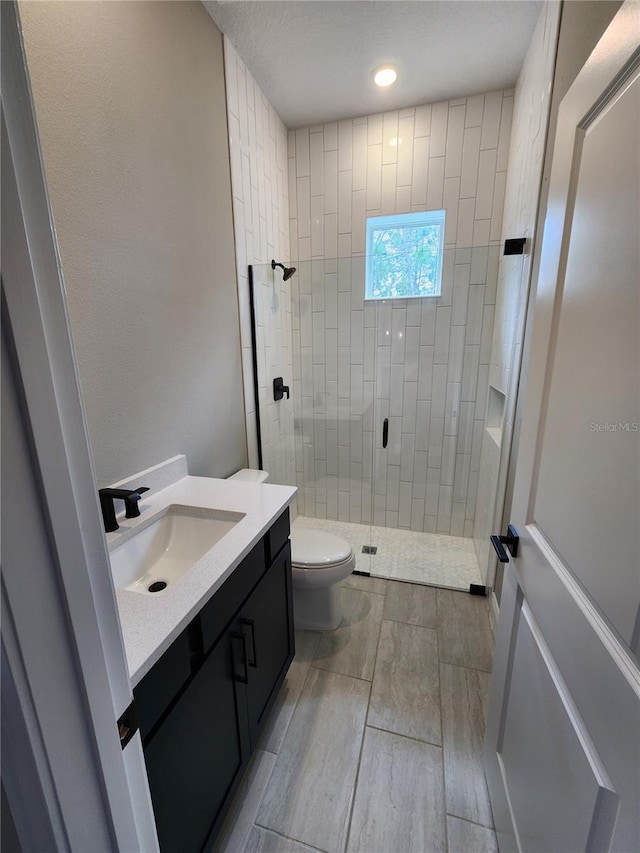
point(157, 586)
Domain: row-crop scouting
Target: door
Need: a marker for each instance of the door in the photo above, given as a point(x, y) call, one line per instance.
point(269, 639)
point(562, 751)
point(195, 756)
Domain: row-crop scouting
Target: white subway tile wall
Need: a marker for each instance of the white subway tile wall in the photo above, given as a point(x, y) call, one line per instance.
point(423, 364)
point(261, 187)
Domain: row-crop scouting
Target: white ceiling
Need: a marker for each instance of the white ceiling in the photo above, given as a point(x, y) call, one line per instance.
point(313, 59)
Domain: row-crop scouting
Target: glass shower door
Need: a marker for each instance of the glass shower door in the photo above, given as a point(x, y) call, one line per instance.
point(431, 390)
point(333, 364)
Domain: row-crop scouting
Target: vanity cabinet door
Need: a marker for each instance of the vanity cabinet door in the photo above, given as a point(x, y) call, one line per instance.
point(267, 623)
point(199, 750)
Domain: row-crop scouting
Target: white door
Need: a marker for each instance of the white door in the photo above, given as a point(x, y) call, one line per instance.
point(562, 751)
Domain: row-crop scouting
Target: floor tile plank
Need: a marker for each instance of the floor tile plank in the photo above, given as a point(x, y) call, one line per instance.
point(276, 725)
point(465, 837)
point(412, 603)
point(242, 813)
point(310, 791)
point(351, 650)
point(464, 699)
point(405, 695)
point(464, 632)
point(399, 806)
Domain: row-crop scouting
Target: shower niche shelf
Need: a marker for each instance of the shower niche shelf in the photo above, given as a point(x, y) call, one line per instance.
point(495, 415)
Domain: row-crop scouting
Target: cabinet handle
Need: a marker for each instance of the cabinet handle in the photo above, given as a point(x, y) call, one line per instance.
point(385, 432)
point(251, 623)
point(244, 678)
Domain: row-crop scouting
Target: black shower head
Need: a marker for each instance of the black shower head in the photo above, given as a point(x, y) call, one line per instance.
point(287, 272)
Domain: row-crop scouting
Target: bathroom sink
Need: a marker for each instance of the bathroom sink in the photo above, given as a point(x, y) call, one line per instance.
point(160, 553)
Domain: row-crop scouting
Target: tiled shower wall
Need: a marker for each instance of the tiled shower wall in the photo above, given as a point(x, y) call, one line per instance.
point(424, 364)
point(258, 150)
point(531, 109)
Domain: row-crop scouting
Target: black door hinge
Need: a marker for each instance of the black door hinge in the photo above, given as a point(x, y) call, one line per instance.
point(128, 725)
point(514, 246)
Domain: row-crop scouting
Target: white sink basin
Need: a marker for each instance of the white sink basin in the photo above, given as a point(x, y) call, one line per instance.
point(159, 554)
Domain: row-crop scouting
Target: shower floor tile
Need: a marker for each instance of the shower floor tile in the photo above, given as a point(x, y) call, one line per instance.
point(429, 558)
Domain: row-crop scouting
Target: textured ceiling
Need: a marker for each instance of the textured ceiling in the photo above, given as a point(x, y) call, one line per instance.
point(313, 59)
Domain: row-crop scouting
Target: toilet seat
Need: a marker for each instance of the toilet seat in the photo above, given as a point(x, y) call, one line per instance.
point(319, 560)
point(316, 549)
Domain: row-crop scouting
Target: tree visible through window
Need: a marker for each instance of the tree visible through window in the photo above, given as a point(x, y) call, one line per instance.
point(404, 255)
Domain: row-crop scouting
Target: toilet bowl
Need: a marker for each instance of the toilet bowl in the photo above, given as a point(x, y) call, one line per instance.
point(319, 561)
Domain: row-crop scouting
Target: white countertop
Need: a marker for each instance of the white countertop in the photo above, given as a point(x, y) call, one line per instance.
point(150, 623)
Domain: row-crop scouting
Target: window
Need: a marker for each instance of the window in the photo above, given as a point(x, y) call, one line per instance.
point(404, 255)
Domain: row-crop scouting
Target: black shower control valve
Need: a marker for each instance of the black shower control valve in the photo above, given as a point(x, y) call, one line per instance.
point(279, 389)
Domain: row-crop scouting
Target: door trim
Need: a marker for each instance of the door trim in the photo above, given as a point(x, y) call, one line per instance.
point(43, 372)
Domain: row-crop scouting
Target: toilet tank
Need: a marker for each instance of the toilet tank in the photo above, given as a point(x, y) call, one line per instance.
point(250, 475)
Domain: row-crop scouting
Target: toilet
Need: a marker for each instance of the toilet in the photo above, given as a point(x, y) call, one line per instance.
point(319, 562)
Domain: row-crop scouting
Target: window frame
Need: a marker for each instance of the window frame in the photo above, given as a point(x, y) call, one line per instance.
point(400, 221)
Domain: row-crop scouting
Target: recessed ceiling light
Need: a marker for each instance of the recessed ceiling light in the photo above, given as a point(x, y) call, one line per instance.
point(385, 75)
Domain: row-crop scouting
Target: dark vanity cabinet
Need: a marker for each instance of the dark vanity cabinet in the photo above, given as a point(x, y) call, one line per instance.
point(202, 706)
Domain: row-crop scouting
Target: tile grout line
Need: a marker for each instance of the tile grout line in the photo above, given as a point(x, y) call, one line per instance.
point(403, 735)
point(444, 779)
point(344, 674)
point(472, 822)
point(464, 666)
point(288, 837)
point(364, 730)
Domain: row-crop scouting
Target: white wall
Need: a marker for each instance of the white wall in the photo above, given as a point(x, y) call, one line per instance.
point(429, 374)
point(130, 105)
point(258, 149)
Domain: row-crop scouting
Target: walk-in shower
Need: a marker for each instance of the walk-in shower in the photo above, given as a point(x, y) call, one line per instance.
point(416, 369)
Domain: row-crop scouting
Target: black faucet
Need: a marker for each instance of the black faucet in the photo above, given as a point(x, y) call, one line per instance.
point(130, 498)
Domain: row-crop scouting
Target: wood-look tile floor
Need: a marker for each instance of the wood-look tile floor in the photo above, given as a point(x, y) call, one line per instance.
point(375, 741)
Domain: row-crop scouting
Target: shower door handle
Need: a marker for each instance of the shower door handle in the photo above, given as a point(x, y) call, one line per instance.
point(385, 432)
point(279, 389)
point(511, 540)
